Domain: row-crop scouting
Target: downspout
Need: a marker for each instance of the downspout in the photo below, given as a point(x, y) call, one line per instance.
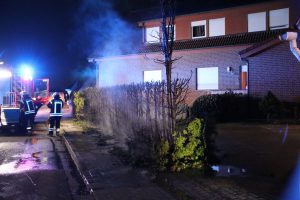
point(293, 37)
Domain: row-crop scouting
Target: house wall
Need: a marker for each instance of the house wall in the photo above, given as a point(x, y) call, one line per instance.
point(221, 57)
point(295, 14)
point(236, 19)
point(276, 70)
point(128, 69)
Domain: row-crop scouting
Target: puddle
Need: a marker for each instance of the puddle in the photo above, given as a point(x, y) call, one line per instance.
point(228, 170)
point(32, 158)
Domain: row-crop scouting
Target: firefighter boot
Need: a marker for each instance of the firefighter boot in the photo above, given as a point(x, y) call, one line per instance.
point(57, 132)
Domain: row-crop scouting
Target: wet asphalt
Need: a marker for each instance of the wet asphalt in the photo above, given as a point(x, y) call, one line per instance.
point(36, 166)
point(31, 168)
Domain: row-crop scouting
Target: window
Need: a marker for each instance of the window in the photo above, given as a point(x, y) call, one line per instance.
point(217, 27)
point(244, 77)
point(154, 75)
point(199, 29)
point(257, 21)
point(279, 18)
point(152, 34)
point(208, 78)
point(170, 32)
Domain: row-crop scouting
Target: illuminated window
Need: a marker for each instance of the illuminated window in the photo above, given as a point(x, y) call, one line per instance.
point(217, 27)
point(257, 21)
point(152, 34)
point(208, 78)
point(154, 75)
point(199, 29)
point(279, 18)
point(244, 77)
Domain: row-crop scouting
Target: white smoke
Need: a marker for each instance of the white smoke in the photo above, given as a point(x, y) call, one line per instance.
point(101, 32)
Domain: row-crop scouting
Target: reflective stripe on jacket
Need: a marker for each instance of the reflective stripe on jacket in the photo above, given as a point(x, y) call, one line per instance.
point(28, 107)
point(55, 106)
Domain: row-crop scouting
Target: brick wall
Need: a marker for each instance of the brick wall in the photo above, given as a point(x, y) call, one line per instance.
point(276, 70)
point(222, 58)
point(236, 19)
point(295, 14)
point(127, 69)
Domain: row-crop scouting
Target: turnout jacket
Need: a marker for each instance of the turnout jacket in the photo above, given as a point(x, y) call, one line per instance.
point(55, 106)
point(27, 106)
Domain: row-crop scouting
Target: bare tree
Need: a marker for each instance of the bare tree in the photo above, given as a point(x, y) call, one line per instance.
point(167, 44)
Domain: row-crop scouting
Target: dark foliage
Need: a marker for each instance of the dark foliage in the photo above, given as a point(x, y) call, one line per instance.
point(226, 107)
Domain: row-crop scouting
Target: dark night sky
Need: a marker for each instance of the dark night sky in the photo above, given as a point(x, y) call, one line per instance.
point(51, 35)
point(39, 32)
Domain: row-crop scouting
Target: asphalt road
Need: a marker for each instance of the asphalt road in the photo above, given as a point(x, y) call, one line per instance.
point(36, 166)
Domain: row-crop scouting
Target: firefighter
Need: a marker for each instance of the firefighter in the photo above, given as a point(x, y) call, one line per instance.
point(55, 105)
point(27, 111)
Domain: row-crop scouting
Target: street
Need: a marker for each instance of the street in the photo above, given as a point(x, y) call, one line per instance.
point(35, 166)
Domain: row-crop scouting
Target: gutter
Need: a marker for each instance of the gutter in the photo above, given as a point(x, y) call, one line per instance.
point(79, 166)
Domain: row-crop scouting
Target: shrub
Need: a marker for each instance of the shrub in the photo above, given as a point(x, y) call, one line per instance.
point(290, 110)
point(163, 155)
point(205, 105)
point(270, 106)
point(79, 105)
point(226, 107)
point(189, 147)
point(141, 147)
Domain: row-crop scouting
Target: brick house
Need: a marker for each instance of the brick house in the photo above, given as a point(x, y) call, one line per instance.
point(229, 48)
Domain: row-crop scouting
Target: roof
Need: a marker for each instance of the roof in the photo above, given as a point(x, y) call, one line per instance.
point(218, 41)
point(259, 47)
point(263, 46)
point(251, 38)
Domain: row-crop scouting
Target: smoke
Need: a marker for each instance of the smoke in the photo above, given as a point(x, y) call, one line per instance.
point(101, 31)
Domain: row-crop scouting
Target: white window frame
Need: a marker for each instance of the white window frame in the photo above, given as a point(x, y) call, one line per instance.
point(208, 78)
point(257, 21)
point(152, 34)
point(174, 31)
point(217, 27)
point(199, 23)
point(152, 76)
point(279, 18)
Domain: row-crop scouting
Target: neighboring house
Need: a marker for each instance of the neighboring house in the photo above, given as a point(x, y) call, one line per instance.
point(231, 48)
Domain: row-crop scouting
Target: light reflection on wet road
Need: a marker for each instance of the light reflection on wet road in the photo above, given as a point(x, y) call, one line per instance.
point(31, 167)
point(33, 154)
point(36, 167)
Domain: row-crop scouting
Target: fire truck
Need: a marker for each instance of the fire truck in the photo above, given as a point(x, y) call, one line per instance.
point(11, 85)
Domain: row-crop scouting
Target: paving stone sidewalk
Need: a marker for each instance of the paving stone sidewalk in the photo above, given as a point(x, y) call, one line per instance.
point(108, 178)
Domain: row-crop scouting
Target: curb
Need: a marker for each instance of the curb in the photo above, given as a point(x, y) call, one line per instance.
point(78, 166)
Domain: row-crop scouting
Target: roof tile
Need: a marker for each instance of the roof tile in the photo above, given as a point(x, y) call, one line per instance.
point(217, 41)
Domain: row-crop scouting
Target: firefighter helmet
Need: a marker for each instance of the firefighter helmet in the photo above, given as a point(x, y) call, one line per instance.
point(24, 94)
point(55, 95)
